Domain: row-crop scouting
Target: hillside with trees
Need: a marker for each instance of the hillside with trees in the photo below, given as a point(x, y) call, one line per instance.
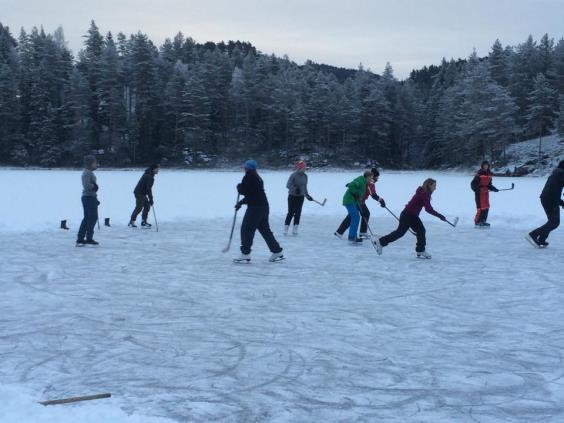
point(189, 104)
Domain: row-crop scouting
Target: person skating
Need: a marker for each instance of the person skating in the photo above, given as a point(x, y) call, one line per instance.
point(409, 218)
point(482, 185)
point(297, 191)
point(256, 216)
point(369, 192)
point(144, 196)
point(89, 203)
point(551, 199)
point(351, 201)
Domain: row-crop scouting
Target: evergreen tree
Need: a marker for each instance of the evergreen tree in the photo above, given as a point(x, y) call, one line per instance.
point(524, 67)
point(112, 107)
point(560, 123)
point(196, 117)
point(558, 66)
point(542, 111)
point(497, 62)
point(10, 135)
point(90, 63)
point(545, 56)
point(145, 100)
point(10, 131)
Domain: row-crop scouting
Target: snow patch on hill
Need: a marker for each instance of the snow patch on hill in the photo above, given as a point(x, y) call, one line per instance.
point(522, 158)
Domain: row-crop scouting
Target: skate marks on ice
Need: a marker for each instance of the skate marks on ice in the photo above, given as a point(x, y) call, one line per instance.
point(172, 328)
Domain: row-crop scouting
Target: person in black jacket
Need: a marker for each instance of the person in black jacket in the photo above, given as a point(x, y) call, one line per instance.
point(256, 216)
point(551, 199)
point(144, 196)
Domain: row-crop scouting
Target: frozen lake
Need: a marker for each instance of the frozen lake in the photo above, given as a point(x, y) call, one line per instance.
point(173, 329)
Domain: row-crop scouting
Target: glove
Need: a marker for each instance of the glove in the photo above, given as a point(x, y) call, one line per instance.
point(151, 202)
point(309, 197)
point(95, 187)
point(440, 216)
point(494, 189)
point(238, 205)
point(382, 203)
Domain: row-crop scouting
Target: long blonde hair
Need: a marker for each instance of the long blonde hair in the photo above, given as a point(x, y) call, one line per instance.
point(427, 184)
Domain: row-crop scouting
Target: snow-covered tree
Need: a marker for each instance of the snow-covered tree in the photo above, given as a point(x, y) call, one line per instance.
point(543, 109)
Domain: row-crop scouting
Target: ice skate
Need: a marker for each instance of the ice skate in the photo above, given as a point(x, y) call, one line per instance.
point(243, 258)
point(423, 255)
point(276, 257)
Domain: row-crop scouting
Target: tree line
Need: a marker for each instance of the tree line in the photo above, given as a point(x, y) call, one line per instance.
point(190, 104)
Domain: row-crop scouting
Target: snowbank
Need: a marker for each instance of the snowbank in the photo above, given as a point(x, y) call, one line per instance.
point(20, 406)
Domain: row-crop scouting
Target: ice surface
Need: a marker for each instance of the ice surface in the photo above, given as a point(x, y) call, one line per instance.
point(173, 329)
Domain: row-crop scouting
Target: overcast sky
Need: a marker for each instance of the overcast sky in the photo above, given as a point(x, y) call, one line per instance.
point(407, 33)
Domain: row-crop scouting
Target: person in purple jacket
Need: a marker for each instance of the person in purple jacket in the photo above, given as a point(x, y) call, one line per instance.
point(409, 218)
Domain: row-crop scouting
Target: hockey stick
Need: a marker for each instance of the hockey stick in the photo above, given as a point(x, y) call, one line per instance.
point(226, 249)
point(155, 217)
point(397, 218)
point(375, 244)
point(507, 189)
point(322, 203)
point(452, 224)
point(76, 399)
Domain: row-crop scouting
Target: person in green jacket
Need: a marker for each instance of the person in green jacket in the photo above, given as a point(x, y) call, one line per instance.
point(351, 200)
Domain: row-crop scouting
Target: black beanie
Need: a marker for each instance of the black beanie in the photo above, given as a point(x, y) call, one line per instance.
point(375, 172)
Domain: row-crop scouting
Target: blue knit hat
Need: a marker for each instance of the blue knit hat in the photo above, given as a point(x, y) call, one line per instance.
point(250, 165)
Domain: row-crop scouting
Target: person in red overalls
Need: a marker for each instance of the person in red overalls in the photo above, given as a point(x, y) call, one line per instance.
point(482, 185)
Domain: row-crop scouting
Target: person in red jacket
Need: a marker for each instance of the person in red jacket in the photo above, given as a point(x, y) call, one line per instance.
point(482, 185)
point(370, 192)
point(409, 218)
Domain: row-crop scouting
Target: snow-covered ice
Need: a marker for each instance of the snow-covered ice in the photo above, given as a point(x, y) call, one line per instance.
point(175, 330)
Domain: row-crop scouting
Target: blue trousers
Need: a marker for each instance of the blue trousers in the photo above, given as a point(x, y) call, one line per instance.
point(352, 209)
point(90, 206)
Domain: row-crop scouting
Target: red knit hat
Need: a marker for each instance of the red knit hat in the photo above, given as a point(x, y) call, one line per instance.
point(301, 164)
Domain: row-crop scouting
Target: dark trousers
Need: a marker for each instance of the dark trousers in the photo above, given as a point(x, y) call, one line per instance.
point(256, 217)
point(90, 206)
point(141, 203)
point(363, 221)
point(295, 204)
point(553, 214)
point(407, 221)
